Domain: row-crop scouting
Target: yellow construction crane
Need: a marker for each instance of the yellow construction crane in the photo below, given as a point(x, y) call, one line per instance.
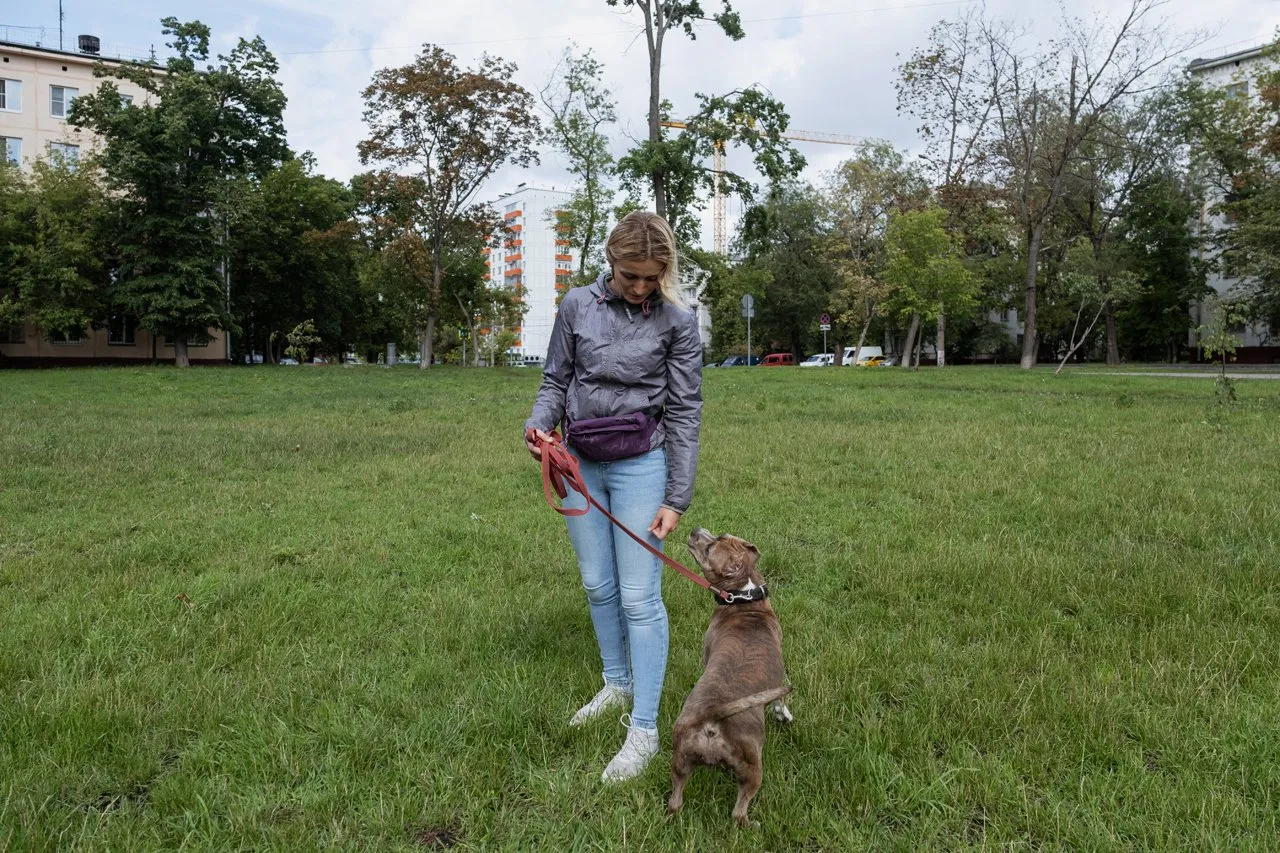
point(719, 238)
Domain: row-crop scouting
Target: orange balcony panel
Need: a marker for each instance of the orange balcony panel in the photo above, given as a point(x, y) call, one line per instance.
point(513, 258)
point(513, 214)
point(510, 273)
point(564, 258)
point(516, 228)
point(564, 242)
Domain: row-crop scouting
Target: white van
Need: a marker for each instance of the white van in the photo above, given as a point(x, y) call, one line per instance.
point(866, 352)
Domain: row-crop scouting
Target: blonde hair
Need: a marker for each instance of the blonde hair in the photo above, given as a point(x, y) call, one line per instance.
point(642, 236)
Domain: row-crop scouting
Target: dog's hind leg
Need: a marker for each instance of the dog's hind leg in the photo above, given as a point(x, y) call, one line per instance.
point(681, 768)
point(781, 713)
point(749, 772)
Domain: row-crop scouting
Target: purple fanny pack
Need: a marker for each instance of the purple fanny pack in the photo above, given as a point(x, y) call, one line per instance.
point(611, 439)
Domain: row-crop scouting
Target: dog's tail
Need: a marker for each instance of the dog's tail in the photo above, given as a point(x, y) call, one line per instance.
point(737, 706)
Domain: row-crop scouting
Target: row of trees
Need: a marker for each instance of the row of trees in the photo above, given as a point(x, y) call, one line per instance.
point(1056, 180)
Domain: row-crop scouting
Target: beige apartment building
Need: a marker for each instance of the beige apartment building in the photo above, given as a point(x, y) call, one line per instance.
point(37, 87)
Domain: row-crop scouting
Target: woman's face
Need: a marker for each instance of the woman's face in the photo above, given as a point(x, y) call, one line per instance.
point(635, 281)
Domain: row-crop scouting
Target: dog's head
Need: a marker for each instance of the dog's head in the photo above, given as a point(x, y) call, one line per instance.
point(726, 561)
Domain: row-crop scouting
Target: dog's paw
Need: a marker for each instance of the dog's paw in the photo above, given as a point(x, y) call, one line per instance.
point(781, 713)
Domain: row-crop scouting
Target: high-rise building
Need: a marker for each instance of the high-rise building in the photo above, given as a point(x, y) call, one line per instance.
point(535, 258)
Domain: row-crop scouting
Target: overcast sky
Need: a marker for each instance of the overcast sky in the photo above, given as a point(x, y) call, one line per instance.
point(832, 62)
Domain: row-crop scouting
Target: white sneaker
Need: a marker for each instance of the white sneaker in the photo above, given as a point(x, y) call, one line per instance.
point(610, 696)
point(633, 758)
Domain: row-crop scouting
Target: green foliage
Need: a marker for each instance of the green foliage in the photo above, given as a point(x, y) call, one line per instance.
point(747, 118)
point(923, 268)
point(169, 161)
point(1236, 133)
point(579, 107)
point(294, 256)
point(54, 247)
point(783, 241)
point(1219, 337)
point(302, 340)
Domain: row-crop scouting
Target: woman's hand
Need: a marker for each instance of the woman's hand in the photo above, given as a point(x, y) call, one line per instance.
point(531, 441)
point(664, 522)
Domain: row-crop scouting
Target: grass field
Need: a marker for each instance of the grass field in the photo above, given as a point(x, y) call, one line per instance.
point(296, 608)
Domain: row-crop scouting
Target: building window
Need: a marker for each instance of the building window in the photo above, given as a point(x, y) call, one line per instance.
point(64, 154)
point(122, 330)
point(12, 149)
point(1238, 90)
point(12, 333)
point(11, 96)
point(126, 100)
point(72, 338)
point(513, 206)
point(61, 99)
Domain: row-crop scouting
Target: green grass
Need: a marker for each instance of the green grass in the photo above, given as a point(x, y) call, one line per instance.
point(1020, 610)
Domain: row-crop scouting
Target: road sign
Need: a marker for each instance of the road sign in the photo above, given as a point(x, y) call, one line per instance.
point(825, 320)
point(748, 306)
point(824, 327)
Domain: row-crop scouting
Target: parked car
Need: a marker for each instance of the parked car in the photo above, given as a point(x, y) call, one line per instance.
point(740, 361)
point(779, 359)
point(846, 359)
point(288, 360)
point(889, 361)
point(873, 361)
point(819, 359)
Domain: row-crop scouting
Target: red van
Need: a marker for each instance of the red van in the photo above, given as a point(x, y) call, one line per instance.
point(778, 359)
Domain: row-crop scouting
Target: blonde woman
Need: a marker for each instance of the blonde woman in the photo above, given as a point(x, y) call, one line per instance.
point(624, 375)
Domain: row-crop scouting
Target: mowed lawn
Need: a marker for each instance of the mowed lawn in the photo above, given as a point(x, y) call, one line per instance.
point(328, 608)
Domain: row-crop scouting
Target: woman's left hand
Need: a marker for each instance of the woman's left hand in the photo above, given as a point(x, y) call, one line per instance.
point(664, 522)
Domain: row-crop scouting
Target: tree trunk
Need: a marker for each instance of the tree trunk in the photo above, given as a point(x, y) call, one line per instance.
point(180, 354)
point(919, 341)
point(1029, 348)
point(1113, 348)
point(911, 340)
point(942, 339)
point(862, 338)
point(428, 338)
point(655, 25)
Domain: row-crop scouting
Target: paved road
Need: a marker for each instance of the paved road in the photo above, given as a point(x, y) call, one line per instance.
point(1193, 374)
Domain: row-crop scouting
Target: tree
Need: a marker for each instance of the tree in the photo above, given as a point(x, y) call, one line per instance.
point(578, 106)
point(1161, 251)
point(1236, 140)
point(1092, 281)
point(859, 197)
point(52, 260)
point(661, 17)
point(923, 267)
point(447, 129)
point(294, 257)
point(783, 240)
point(1048, 105)
point(169, 161)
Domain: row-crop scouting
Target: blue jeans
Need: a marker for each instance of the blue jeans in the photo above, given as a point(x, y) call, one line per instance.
point(623, 580)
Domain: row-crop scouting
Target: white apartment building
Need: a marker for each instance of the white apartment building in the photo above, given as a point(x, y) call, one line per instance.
point(37, 87)
point(534, 258)
point(1235, 72)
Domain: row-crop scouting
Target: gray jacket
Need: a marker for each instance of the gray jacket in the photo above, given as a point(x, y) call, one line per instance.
point(608, 357)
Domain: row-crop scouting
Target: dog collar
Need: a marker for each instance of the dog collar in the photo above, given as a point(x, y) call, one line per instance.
point(759, 593)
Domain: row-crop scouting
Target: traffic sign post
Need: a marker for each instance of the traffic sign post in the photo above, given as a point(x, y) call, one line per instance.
point(824, 323)
point(748, 311)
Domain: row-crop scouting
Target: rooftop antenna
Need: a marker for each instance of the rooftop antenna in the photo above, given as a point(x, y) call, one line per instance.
point(60, 17)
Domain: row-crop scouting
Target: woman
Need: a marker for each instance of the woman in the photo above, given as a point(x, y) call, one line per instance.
point(626, 345)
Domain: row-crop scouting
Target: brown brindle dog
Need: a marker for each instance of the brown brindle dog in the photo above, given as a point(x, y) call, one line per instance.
point(722, 721)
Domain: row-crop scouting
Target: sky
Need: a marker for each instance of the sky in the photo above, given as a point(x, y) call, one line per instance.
point(831, 62)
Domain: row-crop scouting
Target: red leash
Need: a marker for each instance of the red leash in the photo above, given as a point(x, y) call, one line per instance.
point(560, 472)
